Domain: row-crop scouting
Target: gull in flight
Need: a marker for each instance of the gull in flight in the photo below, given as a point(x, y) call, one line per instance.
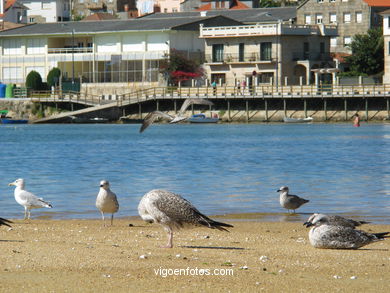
point(337, 221)
point(325, 235)
point(151, 117)
point(290, 201)
point(106, 200)
point(27, 199)
point(173, 212)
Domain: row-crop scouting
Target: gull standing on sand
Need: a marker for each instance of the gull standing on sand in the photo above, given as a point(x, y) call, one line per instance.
point(325, 235)
point(337, 221)
point(106, 200)
point(151, 117)
point(27, 199)
point(5, 222)
point(290, 201)
point(173, 212)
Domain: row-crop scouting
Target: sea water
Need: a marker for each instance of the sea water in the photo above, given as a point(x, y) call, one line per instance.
point(220, 168)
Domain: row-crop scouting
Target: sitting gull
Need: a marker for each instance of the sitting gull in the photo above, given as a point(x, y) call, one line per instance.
point(325, 235)
point(338, 221)
point(151, 117)
point(27, 199)
point(106, 200)
point(290, 201)
point(173, 212)
point(5, 222)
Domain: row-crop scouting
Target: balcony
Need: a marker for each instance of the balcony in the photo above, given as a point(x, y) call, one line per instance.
point(312, 56)
point(69, 50)
point(253, 57)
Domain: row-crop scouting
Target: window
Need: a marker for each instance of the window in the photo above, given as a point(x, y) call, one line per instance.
point(347, 17)
point(320, 1)
point(306, 49)
point(322, 47)
point(218, 53)
point(165, 10)
point(81, 1)
point(333, 41)
point(332, 17)
point(241, 52)
point(35, 46)
point(31, 19)
point(332, 1)
point(19, 17)
point(347, 41)
point(266, 51)
point(358, 17)
point(318, 18)
point(174, 9)
point(307, 19)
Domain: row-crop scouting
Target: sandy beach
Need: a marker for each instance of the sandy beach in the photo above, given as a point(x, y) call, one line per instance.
point(84, 256)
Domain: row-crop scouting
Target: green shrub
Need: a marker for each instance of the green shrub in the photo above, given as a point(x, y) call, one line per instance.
point(53, 77)
point(34, 80)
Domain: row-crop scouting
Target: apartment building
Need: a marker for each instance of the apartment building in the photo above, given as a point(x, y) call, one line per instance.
point(47, 10)
point(125, 51)
point(268, 53)
point(386, 36)
point(351, 17)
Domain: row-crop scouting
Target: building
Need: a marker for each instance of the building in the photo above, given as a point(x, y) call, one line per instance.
point(40, 11)
point(386, 38)
point(206, 5)
point(351, 17)
point(83, 8)
point(121, 51)
point(268, 53)
point(12, 11)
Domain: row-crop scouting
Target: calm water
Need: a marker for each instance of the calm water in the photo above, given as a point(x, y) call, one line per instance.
point(220, 168)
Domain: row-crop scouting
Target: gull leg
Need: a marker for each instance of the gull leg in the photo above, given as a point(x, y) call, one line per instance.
point(25, 213)
point(112, 219)
point(29, 213)
point(104, 223)
point(170, 238)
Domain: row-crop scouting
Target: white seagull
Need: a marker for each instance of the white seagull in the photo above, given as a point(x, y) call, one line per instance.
point(27, 199)
point(325, 235)
point(151, 117)
point(290, 201)
point(337, 221)
point(106, 200)
point(173, 212)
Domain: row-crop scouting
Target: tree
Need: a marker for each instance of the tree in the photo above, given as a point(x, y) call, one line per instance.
point(269, 3)
point(176, 67)
point(53, 76)
point(34, 80)
point(367, 53)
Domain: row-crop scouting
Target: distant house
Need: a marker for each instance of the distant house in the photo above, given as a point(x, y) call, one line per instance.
point(386, 37)
point(84, 8)
point(351, 17)
point(40, 11)
point(207, 5)
point(99, 16)
point(12, 11)
point(121, 51)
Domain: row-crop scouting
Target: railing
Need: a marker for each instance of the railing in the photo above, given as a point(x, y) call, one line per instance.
point(74, 50)
point(235, 58)
point(313, 56)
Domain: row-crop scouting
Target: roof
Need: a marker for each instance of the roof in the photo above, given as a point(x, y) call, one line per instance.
point(243, 15)
point(99, 16)
point(109, 26)
point(387, 11)
point(378, 3)
point(236, 5)
point(10, 25)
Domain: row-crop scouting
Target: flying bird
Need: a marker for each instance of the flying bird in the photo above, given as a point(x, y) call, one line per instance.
point(151, 117)
point(173, 212)
point(325, 235)
point(290, 201)
point(5, 222)
point(27, 199)
point(337, 221)
point(106, 200)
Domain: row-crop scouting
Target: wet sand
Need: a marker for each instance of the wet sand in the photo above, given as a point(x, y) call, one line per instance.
point(84, 256)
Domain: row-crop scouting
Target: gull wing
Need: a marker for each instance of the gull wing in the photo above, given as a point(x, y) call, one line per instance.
point(151, 117)
point(191, 101)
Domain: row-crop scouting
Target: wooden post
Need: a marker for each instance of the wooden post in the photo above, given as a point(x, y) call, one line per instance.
point(247, 110)
point(285, 107)
point(345, 109)
point(325, 111)
point(228, 108)
point(175, 106)
point(192, 109)
point(388, 108)
point(305, 107)
point(366, 109)
point(139, 110)
point(266, 109)
point(157, 105)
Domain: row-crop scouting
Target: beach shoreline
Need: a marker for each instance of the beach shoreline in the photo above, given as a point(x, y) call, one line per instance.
point(83, 256)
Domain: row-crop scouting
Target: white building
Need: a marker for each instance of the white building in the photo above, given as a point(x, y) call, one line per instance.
point(386, 37)
point(47, 10)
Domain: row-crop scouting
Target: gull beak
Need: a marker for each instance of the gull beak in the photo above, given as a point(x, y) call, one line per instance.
point(101, 185)
point(279, 190)
point(10, 184)
point(308, 224)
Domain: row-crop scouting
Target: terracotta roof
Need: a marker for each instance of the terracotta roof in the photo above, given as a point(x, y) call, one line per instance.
point(340, 56)
point(379, 3)
point(99, 16)
point(236, 5)
point(9, 25)
point(205, 7)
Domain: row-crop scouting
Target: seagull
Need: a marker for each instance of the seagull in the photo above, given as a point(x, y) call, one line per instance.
point(289, 201)
point(151, 117)
point(325, 235)
point(27, 199)
point(106, 200)
point(337, 221)
point(173, 212)
point(5, 222)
